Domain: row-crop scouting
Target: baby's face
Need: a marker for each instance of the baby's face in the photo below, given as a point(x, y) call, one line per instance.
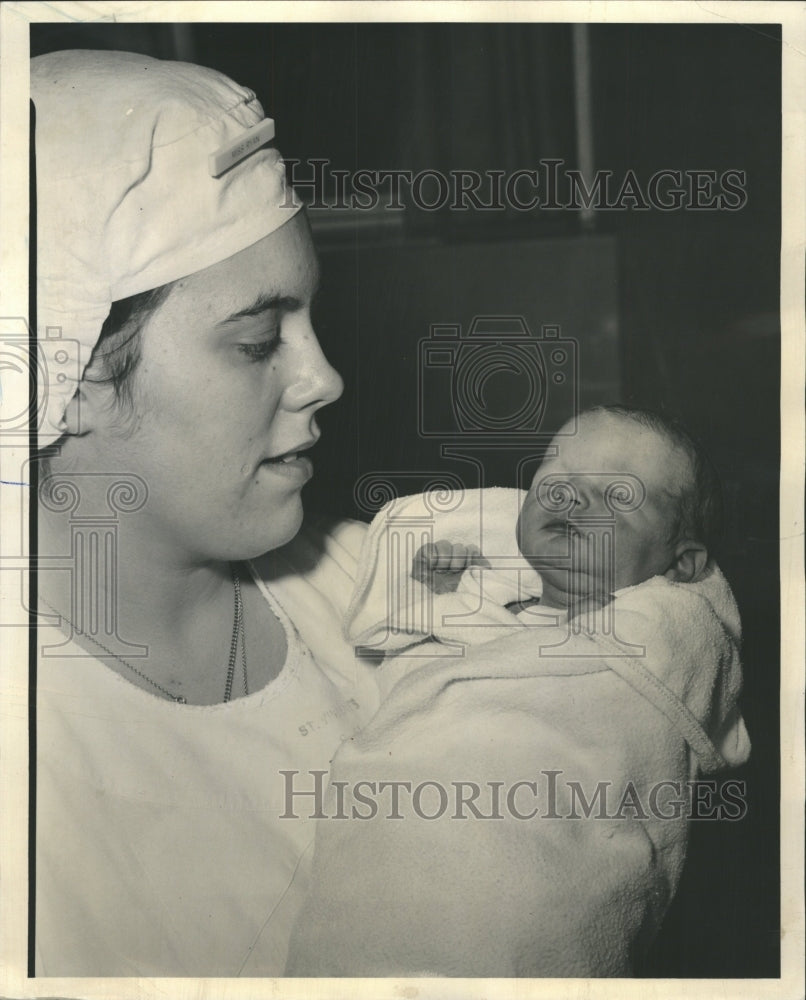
point(556, 534)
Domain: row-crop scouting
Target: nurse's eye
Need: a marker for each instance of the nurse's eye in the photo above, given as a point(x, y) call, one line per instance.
point(261, 350)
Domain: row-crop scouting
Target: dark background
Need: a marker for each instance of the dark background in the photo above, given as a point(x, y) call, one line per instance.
point(672, 310)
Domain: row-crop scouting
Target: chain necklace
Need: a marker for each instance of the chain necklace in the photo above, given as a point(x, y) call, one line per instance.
point(238, 632)
point(238, 638)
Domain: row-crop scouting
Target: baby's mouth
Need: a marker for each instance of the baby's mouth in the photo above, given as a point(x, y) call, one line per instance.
point(564, 528)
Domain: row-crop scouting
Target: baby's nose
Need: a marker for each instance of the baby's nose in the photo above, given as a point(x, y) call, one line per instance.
point(587, 504)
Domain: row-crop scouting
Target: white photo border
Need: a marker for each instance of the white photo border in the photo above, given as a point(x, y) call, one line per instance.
point(14, 58)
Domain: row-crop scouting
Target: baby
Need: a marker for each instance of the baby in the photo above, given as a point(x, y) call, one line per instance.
point(628, 497)
point(621, 516)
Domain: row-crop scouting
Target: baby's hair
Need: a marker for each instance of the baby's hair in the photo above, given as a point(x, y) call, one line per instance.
point(699, 510)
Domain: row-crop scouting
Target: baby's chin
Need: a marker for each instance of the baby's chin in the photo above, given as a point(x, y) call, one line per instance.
point(562, 589)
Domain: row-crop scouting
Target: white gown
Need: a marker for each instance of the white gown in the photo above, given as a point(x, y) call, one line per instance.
point(161, 847)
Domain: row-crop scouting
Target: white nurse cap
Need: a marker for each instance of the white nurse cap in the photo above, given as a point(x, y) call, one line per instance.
point(146, 171)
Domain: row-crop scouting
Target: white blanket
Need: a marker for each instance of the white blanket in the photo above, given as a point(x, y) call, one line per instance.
point(593, 743)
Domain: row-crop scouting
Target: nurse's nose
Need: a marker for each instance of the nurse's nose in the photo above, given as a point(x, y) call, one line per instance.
point(316, 382)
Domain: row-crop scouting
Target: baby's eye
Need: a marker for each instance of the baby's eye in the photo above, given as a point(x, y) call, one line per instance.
point(261, 350)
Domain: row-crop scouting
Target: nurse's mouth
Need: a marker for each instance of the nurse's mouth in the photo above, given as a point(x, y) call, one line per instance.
point(292, 463)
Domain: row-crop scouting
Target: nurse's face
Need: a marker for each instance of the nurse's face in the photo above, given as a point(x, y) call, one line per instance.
point(225, 396)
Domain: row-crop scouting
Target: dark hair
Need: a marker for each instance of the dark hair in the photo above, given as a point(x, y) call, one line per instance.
point(116, 354)
point(699, 501)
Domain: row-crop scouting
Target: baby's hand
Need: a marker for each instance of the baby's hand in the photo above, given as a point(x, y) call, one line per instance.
point(440, 565)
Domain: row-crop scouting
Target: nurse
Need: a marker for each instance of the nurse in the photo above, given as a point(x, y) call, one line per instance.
point(191, 653)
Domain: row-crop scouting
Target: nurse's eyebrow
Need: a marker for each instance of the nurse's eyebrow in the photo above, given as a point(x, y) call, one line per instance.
point(263, 303)
point(267, 301)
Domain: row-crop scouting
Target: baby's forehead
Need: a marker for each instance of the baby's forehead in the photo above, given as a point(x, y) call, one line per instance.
point(615, 433)
point(605, 443)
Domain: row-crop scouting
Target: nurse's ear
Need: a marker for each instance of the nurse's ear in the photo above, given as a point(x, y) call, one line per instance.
point(71, 422)
point(104, 396)
point(84, 409)
point(689, 561)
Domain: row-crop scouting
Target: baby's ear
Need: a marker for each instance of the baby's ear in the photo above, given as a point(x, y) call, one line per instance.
point(690, 560)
